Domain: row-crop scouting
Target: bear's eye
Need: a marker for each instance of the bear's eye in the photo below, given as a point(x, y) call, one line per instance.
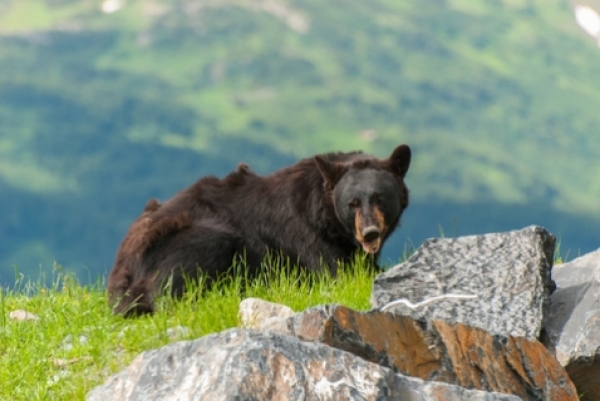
point(375, 198)
point(354, 204)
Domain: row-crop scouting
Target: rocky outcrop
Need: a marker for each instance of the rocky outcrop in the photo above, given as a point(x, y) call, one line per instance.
point(439, 351)
point(247, 365)
point(573, 322)
point(461, 319)
point(256, 313)
point(500, 283)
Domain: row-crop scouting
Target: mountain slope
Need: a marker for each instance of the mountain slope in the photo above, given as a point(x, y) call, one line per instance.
point(101, 111)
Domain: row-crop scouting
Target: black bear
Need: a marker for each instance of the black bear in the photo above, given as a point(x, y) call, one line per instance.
point(317, 212)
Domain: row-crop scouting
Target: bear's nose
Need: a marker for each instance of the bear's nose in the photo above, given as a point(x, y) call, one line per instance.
point(370, 234)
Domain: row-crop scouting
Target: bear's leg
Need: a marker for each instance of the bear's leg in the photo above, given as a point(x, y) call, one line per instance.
point(207, 249)
point(137, 300)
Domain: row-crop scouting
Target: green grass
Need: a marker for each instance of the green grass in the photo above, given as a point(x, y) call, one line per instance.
point(36, 365)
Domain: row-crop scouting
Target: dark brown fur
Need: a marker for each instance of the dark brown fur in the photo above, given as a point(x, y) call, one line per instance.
point(204, 227)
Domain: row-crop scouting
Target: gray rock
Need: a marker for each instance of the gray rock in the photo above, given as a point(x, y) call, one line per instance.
point(277, 324)
point(255, 312)
point(573, 322)
point(498, 282)
point(22, 315)
point(240, 364)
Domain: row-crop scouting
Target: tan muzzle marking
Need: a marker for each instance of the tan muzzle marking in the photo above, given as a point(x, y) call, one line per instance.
point(369, 246)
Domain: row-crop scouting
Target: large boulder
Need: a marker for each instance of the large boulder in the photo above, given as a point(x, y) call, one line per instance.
point(243, 365)
point(437, 350)
point(498, 282)
point(573, 322)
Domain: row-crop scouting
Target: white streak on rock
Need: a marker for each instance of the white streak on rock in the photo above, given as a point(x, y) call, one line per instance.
point(411, 305)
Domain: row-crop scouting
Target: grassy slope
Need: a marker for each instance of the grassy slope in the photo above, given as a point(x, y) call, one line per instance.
point(507, 87)
point(41, 368)
point(100, 112)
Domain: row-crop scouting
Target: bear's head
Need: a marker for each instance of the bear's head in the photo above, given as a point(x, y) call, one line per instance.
point(369, 194)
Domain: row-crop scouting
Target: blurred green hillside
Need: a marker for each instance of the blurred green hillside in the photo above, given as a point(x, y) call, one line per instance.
point(101, 111)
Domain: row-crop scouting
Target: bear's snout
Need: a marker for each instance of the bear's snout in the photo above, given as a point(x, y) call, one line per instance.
point(370, 229)
point(371, 234)
point(371, 239)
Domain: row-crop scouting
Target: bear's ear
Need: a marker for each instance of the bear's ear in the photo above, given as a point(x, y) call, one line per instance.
point(399, 161)
point(331, 172)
